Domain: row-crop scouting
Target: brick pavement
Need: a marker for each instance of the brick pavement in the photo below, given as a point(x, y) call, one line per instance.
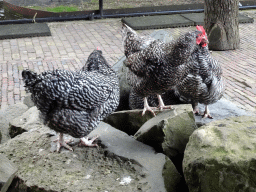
point(71, 43)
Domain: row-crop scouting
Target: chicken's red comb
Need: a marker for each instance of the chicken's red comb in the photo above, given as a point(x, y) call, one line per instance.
point(98, 48)
point(200, 28)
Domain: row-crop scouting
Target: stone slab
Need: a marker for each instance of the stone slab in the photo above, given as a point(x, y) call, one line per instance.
point(123, 145)
point(156, 22)
point(222, 109)
point(177, 20)
point(24, 30)
point(198, 18)
point(7, 172)
point(245, 19)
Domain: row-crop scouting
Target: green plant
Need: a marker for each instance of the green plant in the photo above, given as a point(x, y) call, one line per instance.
point(62, 8)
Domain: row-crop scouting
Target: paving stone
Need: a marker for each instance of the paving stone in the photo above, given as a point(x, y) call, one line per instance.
point(71, 43)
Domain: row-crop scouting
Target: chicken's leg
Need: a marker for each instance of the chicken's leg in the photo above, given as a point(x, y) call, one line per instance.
point(146, 107)
point(196, 109)
point(60, 142)
point(161, 103)
point(207, 113)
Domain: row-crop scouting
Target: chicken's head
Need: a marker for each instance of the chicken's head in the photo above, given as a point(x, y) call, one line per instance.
point(202, 37)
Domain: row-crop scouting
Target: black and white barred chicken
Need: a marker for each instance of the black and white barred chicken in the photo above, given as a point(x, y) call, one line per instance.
point(74, 102)
point(202, 81)
point(156, 67)
point(184, 68)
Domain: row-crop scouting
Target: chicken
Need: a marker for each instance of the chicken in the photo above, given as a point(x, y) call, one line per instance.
point(74, 102)
point(202, 81)
point(154, 66)
point(133, 42)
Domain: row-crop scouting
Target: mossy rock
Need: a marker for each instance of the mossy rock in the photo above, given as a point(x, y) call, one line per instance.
point(220, 156)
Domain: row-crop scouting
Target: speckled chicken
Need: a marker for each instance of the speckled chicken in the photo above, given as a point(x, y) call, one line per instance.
point(202, 81)
point(154, 66)
point(74, 102)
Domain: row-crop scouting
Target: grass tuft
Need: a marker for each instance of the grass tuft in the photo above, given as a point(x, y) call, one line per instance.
point(62, 8)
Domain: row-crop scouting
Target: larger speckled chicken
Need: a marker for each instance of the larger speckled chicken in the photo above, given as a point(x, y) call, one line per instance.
point(154, 66)
point(74, 102)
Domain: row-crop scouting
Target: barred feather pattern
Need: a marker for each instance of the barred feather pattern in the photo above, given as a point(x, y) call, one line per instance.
point(159, 66)
point(74, 102)
point(203, 81)
point(133, 42)
point(181, 67)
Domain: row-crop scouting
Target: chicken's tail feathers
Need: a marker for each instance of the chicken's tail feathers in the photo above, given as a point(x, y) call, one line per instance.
point(27, 74)
point(125, 31)
point(29, 77)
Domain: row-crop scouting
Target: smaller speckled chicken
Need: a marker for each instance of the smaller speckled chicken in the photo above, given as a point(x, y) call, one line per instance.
point(75, 102)
point(202, 81)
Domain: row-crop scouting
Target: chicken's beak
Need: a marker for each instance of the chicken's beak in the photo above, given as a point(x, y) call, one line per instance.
point(205, 39)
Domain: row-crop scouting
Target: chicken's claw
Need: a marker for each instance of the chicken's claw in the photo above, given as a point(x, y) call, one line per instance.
point(85, 141)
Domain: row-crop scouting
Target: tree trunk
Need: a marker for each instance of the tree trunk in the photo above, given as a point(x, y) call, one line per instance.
point(222, 24)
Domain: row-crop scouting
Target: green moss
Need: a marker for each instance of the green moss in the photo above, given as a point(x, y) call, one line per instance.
point(217, 132)
point(171, 176)
point(220, 152)
point(62, 9)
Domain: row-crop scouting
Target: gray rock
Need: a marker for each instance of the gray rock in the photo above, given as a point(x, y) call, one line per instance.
point(161, 171)
point(27, 121)
point(119, 164)
point(222, 109)
point(27, 101)
point(125, 88)
point(6, 115)
point(7, 172)
point(169, 133)
point(130, 121)
point(220, 156)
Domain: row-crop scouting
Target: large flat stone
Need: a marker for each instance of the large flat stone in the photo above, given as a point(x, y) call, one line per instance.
point(177, 20)
point(220, 110)
point(157, 164)
point(120, 163)
point(24, 30)
point(130, 121)
point(198, 18)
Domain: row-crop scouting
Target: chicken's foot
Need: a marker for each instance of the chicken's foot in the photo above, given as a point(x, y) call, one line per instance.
point(207, 113)
point(161, 105)
point(85, 141)
point(196, 110)
point(147, 108)
point(60, 142)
